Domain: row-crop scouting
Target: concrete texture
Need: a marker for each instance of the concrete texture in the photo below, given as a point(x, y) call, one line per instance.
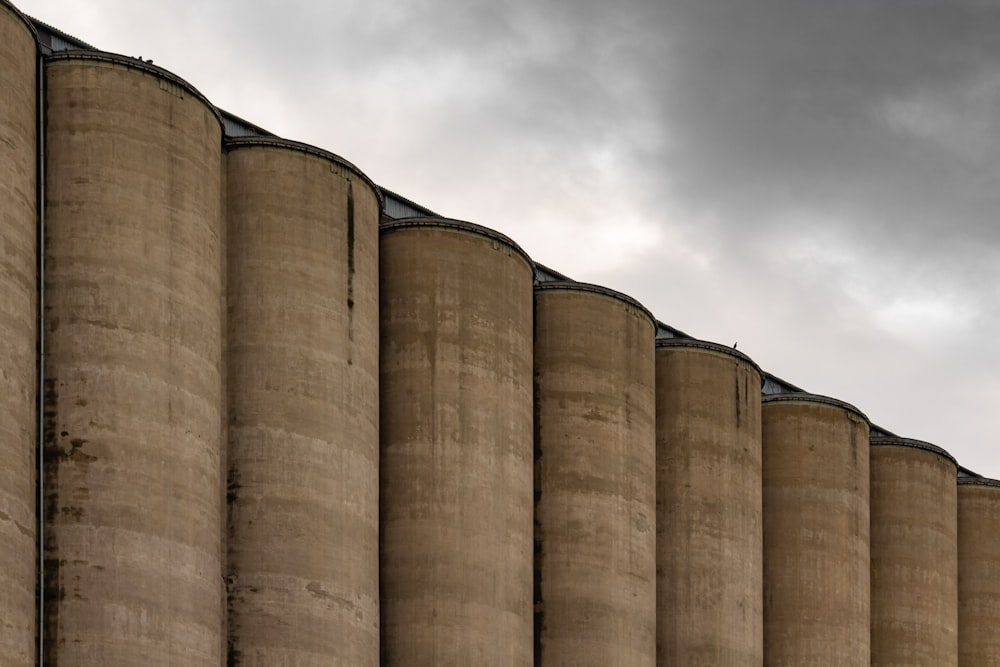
point(133, 383)
point(18, 333)
point(914, 554)
point(456, 432)
point(978, 572)
point(816, 532)
point(709, 605)
point(595, 479)
point(223, 406)
point(303, 408)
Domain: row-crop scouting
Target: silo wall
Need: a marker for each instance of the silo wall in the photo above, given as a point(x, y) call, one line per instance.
point(222, 491)
point(978, 572)
point(816, 532)
point(914, 554)
point(302, 372)
point(595, 478)
point(18, 334)
point(133, 356)
point(709, 605)
point(456, 445)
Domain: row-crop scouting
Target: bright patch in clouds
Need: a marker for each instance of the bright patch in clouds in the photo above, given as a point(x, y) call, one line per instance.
point(898, 298)
point(924, 318)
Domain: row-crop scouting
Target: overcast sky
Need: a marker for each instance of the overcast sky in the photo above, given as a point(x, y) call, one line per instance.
point(818, 181)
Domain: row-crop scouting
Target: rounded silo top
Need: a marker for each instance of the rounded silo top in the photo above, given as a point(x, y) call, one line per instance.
point(805, 397)
point(167, 77)
point(261, 141)
point(978, 481)
point(574, 286)
point(456, 225)
point(896, 441)
point(22, 17)
point(708, 346)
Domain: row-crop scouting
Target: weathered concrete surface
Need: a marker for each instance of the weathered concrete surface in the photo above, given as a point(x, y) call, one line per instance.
point(978, 572)
point(709, 604)
point(224, 405)
point(18, 333)
point(456, 431)
point(816, 532)
point(914, 554)
point(595, 508)
point(303, 408)
point(133, 384)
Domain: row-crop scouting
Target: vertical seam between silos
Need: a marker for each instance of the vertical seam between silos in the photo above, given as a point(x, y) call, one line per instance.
point(40, 380)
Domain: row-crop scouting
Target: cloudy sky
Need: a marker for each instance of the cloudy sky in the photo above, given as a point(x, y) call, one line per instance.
point(818, 181)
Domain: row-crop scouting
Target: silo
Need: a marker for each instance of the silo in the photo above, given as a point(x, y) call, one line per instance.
point(133, 354)
point(595, 478)
point(816, 532)
point(456, 425)
point(914, 554)
point(302, 372)
point(18, 333)
point(709, 606)
point(978, 571)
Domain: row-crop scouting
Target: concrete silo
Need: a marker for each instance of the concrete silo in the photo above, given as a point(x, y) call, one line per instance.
point(18, 334)
point(816, 532)
point(302, 349)
point(914, 566)
point(595, 478)
point(133, 354)
point(456, 434)
point(978, 571)
point(708, 505)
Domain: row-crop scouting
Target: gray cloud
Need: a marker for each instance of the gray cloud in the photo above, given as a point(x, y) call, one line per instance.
point(817, 180)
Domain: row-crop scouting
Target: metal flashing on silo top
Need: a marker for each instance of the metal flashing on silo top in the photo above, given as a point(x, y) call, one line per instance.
point(712, 347)
point(774, 385)
point(979, 481)
point(896, 441)
point(145, 66)
point(460, 226)
point(28, 22)
point(804, 397)
point(574, 286)
point(233, 143)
